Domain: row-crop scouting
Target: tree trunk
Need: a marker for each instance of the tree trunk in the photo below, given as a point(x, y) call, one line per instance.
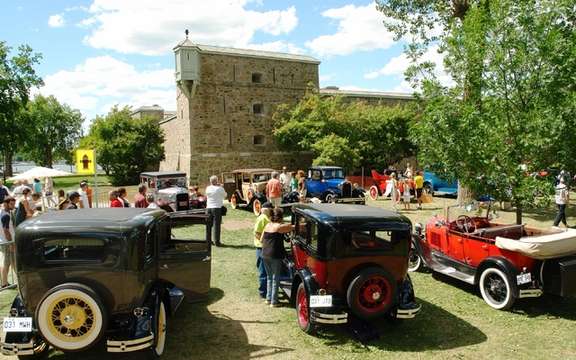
point(518, 215)
point(7, 163)
point(49, 158)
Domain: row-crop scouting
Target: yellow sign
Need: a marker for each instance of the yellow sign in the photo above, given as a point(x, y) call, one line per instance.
point(85, 164)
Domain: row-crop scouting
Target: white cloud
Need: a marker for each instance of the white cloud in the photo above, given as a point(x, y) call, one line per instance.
point(360, 28)
point(399, 64)
point(56, 21)
point(151, 27)
point(100, 81)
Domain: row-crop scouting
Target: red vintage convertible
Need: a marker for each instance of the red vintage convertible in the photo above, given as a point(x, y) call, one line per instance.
point(507, 262)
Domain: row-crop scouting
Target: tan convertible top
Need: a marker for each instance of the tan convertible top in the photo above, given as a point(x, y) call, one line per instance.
point(558, 244)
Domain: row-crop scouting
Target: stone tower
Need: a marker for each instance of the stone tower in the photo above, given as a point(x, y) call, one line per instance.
point(225, 101)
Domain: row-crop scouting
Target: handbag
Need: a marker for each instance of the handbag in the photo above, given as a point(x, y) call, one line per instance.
point(224, 210)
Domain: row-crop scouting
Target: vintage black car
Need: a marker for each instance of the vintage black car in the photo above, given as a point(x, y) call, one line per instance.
point(113, 275)
point(169, 186)
point(348, 261)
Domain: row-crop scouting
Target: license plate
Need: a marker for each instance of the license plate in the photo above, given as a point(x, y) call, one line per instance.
point(320, 301)
point(17, 324)
point(524, 278)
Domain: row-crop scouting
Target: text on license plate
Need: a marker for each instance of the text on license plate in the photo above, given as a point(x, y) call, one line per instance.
point(320, 301)
point(17, 324)
point(523, 278)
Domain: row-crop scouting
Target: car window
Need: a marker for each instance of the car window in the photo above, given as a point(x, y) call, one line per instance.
point(375, 240)
point(261, 177)
point(74, 249)
point(188, 232)
point(316, 175)
point(246, 178)
point(313, 231)
point(333, 174)
point(301, 228)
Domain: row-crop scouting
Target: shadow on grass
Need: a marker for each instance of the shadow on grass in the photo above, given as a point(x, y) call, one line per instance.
point(243, 246)
point(195, 333)
point(433, 329)
point(546, 305)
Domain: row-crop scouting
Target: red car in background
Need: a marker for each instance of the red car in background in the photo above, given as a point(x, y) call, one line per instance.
point(506, 262)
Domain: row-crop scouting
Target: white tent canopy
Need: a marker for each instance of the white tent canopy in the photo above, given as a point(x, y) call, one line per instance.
point(39, 172)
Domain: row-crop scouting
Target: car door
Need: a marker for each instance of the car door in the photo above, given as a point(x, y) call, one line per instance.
point(184, 256)
point(315, 183)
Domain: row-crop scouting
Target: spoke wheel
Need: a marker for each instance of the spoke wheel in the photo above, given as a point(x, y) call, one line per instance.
point(331, 198)
point(371, 293)
point(160, 328)
point(414, 260)
point(373, 192)
point(71, 317)
point(497, 290)
point(303, 310)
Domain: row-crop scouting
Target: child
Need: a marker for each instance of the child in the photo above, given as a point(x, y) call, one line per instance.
point(406, 195)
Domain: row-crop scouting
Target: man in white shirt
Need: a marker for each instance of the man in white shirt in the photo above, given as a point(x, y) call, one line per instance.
point(84, 203)
point(215, 195)
point(562, 198)
point(285, 180)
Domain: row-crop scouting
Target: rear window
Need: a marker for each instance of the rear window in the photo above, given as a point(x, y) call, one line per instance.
point(75, 249)
point(375, 240)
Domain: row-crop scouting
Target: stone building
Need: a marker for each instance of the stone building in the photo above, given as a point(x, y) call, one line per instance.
point(385, 98)
point(225, 101)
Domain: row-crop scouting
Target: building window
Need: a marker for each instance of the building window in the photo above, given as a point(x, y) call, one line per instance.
point(257, 109)
point(256, 78)
point(258, 140)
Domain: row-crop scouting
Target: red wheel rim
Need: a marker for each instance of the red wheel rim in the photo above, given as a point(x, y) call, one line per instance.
point(302, 308)
point(373, 193)
point(374, 294)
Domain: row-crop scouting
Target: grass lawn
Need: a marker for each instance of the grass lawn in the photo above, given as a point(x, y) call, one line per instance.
point(455, 323)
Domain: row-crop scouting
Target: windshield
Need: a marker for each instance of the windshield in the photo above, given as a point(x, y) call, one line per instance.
point(170, 182)
point(333, 174)
point(261, 177)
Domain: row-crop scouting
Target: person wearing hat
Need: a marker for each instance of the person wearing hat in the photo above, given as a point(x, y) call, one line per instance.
point(74, 199)
point(262, 220)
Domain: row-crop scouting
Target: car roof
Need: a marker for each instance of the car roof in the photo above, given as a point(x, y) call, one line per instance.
point(326, 167)
point(355, 215)
point(83, 220)
point(251, 171)
point(163, 173)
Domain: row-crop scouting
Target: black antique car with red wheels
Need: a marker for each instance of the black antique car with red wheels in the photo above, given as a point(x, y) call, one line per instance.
point(348, 262)
point(104, 276)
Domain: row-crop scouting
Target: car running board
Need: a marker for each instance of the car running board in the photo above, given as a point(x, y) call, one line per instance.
point(450, 271)
point(286, 286)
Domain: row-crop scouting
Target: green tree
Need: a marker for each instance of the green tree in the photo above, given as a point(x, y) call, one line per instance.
point(17, 76)
point(348, 134)
point(52, 130)
point(124, 146)
point(512, 108)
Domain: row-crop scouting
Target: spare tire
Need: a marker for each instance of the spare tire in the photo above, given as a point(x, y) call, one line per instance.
point(371, 293)
point(71, 317)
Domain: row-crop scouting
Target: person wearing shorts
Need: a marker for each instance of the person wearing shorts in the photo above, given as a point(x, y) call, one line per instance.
point(419, 186)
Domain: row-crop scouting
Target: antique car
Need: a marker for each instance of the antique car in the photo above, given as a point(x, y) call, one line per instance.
point(346, 262)
point(434, 185)
point(328, 184)
point(246, 188)
point(507, 262)
point(115, 275)
point(382, 185)
point(169, 187)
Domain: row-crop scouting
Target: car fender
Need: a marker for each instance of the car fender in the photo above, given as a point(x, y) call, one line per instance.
point(305, 276)
point(495, 261)
point(329, 192)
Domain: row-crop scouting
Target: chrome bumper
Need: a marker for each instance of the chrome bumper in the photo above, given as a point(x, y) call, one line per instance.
point(322, 318)
point(530, 293)
point(120, 346)
point(19, 348)
point(408, 313)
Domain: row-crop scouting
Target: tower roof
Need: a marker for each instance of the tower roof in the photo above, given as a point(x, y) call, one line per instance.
point(211, 49)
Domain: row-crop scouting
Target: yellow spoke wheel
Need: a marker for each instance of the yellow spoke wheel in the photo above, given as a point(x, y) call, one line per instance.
point(71, 317)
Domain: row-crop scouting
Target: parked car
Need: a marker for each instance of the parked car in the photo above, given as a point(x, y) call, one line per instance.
point(434, 185)
point(168, 186)
point(348, 261)
point(246, 188)
point(329, 184)
point(507, 262)
point(113, 274)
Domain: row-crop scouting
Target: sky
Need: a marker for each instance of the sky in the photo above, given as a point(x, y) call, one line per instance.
point(98, 53)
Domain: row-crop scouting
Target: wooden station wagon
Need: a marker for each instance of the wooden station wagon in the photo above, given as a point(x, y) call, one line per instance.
point(113, 275)
point(247, 188)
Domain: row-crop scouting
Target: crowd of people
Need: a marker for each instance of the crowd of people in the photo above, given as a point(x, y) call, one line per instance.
point(402, 188)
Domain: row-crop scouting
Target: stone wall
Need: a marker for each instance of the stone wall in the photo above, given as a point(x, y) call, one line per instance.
point(224, 132)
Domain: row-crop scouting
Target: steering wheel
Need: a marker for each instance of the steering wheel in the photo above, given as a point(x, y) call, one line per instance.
point(465, 224)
